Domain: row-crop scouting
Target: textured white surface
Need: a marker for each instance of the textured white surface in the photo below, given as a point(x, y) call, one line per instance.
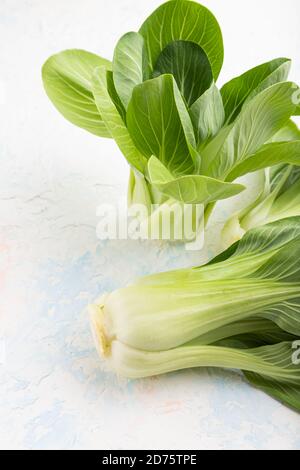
point(53, 392)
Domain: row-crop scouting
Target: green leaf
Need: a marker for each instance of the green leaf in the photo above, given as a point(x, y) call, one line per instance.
point(114, 95)
point(285, 177)
point(269, 155)
point(213, 147)
point(281, 198)
point(130, 65)
point(157, 172)
point(187, 127)
point(207, 114)
point(225, 254)
point(269, 238)
point(277, 355)
point(287, 204)
point(297, 111)
point(191, 189)
point(256, 255)
point(287, 390)
point(113, 120)
point(188, 21)
point(252, 82)
point(268, 254)
point(287, 133)
point(190, 67)
point(280, 195)
point(197, 189)
point(159, 124)
point(67, 80)
point(259, 120)
point(287, 195)
point(278, 242)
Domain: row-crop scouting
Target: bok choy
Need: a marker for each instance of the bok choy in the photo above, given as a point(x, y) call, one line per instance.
point(186, 140)
point(241, 311)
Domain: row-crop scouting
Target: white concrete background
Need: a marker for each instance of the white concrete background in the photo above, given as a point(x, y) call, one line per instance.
point(53, 391)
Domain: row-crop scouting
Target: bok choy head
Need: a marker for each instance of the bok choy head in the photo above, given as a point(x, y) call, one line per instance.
point(185, 139)
point(242, 310)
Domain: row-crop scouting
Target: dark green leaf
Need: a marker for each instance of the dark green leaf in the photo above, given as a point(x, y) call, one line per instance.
point(114, 96)
point(190, 67)
point(287, 390)
point(183, 20)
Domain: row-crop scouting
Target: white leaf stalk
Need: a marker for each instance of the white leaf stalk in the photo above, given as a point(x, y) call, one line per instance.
point(133, 363)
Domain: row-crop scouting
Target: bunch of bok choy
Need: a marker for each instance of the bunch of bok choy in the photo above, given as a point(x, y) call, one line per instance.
point(241, 311)
point(185, 140)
